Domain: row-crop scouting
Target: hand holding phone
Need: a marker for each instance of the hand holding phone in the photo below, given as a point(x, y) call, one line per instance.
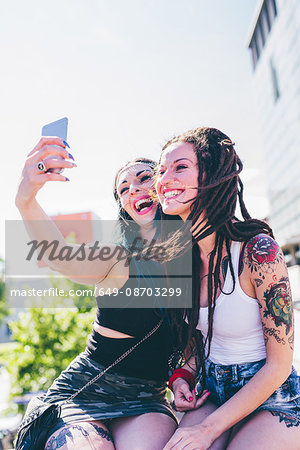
point(59, 128)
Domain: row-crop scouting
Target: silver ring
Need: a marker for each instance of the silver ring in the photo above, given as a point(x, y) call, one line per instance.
point(41, 166)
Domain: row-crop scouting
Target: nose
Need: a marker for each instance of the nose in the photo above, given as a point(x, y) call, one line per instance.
point(134, 189)
point(164, 178)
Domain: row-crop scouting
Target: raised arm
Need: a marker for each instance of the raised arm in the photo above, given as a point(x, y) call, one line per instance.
point(41, 228)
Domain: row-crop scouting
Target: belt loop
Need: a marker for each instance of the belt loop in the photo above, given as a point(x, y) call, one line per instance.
point(234, 373)
point(216, 370)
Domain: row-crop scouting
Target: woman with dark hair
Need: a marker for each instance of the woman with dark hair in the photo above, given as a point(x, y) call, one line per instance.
point(127, 407)
point(242, 306)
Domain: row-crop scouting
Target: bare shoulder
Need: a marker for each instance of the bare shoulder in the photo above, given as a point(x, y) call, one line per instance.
point(262, 255)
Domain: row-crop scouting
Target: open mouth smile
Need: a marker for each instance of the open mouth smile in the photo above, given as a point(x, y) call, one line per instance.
point(170, 194)
point(143, 204)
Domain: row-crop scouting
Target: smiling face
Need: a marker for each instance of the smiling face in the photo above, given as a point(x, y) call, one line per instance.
point(177, 179)
point(135, 184)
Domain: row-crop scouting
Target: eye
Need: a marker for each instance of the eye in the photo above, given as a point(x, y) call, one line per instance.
point(161, 171)
point(181, 166)
point(125, 189)
point(145, 178)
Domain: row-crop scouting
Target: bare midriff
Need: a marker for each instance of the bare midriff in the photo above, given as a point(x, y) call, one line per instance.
point(108, 332)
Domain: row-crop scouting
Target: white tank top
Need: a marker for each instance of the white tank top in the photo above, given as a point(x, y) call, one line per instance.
point(237, 327)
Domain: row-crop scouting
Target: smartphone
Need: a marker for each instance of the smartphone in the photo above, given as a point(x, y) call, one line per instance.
point(57, 128)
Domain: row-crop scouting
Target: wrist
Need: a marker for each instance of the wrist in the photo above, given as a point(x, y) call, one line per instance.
point(185, 375)
point(208, 433)
point(213, 427)
point(25, 204)
point(177, 382)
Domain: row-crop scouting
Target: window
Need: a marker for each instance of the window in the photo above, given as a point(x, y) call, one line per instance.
point(271, 5)
point(262, 29)
point(260, 35)
point(297, 254)
point(265, 20)
point(288, 257)
point(254, 51)
point(274, 79)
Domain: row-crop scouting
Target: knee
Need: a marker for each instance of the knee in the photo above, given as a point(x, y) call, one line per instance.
point(83, 435)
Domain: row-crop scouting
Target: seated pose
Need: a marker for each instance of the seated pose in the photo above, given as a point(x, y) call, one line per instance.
point(242, 306)
point(127, 407)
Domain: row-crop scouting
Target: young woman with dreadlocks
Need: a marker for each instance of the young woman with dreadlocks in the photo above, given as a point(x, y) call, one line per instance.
point(241, 304)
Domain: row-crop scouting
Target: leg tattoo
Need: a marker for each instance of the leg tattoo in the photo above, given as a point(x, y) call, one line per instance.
point(288, 420)
point(59, 440)
point(101, 432)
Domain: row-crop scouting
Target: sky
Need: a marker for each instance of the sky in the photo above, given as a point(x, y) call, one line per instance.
point(129, 75)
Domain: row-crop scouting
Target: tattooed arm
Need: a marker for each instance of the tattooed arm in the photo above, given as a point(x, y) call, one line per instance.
point(266, 272)
point(265, 268)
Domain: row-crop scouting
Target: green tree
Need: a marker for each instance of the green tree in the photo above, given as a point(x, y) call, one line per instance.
point(3, 305)
point(47, 339)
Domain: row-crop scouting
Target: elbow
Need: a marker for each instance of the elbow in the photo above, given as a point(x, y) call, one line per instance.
point(280, 371)
point(289, 369)
point(286, 373)
point(288, 366)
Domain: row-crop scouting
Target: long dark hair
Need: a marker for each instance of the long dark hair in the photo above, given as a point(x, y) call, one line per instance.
point(219, 190)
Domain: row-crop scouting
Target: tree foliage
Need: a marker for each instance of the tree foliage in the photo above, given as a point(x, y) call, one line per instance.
point(47, 339)
point(3, 304)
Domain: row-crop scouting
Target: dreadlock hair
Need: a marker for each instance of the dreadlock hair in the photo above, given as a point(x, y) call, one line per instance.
point(213, 211)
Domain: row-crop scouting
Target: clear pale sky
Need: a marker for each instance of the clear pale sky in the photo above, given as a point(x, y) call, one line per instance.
point(129, 75)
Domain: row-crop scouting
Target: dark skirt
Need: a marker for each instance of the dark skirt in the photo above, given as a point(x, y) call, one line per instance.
point(112, 396)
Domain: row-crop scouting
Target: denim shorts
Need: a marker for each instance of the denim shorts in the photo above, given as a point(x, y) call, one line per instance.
point(224, 381)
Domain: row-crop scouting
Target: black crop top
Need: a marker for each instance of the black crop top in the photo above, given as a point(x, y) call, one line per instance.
point(150, 359)
point(133, 318)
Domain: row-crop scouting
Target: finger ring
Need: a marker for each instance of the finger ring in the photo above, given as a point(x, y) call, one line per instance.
point(41, 166)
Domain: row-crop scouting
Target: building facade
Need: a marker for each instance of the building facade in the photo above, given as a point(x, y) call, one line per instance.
point(274, 43)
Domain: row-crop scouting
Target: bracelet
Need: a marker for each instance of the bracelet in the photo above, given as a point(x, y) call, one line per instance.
point(185, 374)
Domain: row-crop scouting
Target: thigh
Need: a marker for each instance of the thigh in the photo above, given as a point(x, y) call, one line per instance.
point(263, 431)
point(150, 431)
point(84, 435)
point(191, 418)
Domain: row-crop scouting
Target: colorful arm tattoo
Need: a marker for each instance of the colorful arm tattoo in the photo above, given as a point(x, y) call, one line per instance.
point(278, 304)
point(262, 255)
point(265, 260)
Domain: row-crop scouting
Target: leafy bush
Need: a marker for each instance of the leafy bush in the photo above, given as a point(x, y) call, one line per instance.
point(47, 339)
point(3, 305)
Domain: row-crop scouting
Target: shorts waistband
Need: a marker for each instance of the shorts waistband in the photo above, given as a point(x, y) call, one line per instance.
point(231, 371)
